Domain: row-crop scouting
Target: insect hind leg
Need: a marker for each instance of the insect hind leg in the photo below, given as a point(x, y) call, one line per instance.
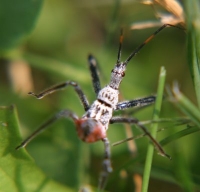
point(64, 113)
point(107, 168)
point(144, 129)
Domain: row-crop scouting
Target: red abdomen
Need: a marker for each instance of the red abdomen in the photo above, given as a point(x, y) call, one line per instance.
point(90, 130)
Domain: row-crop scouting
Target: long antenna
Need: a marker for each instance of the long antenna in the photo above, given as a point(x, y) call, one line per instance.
point(120, 47)
point(148, 40)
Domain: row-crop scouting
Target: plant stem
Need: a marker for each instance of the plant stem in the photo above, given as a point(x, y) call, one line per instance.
point(154, 128)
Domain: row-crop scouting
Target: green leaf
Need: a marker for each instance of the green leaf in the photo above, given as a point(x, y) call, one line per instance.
point(18, 171)
point(17, 19)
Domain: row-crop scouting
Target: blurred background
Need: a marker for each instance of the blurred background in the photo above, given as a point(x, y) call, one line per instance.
point(55, 50)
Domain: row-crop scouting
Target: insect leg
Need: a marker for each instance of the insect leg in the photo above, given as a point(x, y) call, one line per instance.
point(144, 129)
point(64, 113)
point(106, 165)
point(136, 103)
point(62, 86)
point(94, 73)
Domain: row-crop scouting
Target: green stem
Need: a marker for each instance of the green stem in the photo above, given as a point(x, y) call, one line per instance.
point(154, 128)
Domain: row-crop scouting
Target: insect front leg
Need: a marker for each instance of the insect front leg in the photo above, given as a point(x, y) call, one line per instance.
point(94, 73)
point(61, 86)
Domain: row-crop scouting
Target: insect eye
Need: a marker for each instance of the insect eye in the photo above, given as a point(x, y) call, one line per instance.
point(123, 74)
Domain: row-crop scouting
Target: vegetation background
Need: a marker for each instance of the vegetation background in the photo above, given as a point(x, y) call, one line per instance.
point(47, 42)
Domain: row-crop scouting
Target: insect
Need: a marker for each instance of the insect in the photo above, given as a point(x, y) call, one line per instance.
point(94, 123)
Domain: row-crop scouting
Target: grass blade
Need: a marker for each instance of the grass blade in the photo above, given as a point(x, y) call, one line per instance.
point(154, 128)
point(185, 104)
point(192, 8)
point(179, 135)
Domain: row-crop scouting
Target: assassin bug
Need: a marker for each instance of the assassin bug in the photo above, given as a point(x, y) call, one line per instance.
point(92, 126)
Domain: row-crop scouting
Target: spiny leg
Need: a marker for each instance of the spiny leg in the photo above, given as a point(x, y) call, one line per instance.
point(93, 70)
point(135, 103)
point(64, 113)
point(143, 128)
point(62, 86)
point(107, 168)
point(139, 104)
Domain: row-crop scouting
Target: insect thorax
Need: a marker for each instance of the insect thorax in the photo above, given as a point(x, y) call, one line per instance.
point(108, 96)
point(102, 108)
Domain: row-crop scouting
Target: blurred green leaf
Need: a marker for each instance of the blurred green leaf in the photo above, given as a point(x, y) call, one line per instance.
point(193, 30)
point(183, 172)
point(17, 20)
point(18, 171)
point(185, 105)
point(56, 67)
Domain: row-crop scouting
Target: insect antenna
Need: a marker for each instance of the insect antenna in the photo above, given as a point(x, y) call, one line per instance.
point(120, 47)
point(148, 40)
